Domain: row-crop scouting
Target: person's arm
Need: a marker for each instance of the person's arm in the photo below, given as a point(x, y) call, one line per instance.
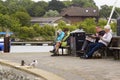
point(106, 39)
point(66, 37)
point(61, 36)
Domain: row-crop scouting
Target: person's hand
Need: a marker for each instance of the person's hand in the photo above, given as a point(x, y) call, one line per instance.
point(100, 37)
point(93, 36)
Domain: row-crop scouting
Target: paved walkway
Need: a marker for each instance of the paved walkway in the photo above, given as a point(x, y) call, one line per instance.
point(70, 68)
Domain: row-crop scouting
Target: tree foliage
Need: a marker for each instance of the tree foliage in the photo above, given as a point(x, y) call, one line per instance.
point(3, 9)
point(51, 13)
point(88, 25)
point(15, 15)
point(106, 10)
point(67, 3)
point(56, 5)
point(38, 9)
point(84, 3)
point(27, 33)
point(23, 17)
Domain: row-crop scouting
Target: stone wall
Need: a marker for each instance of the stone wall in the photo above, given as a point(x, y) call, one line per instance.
point(8, 73)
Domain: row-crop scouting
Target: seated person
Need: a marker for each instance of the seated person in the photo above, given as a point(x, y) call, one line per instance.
point(66, 40)
point(59, 39)
point(104, 41)
point(92, 38)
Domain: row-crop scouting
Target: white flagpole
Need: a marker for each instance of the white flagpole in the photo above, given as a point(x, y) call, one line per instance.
point(112, 12)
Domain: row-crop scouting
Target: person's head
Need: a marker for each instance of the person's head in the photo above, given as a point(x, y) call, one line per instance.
point(98, 29)
point(107, 28)
point(59, 31)
point(66, 30)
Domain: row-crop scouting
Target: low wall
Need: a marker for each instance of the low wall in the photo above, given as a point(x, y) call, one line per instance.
point(9, 73)
point(27, 71)
point(32, 43)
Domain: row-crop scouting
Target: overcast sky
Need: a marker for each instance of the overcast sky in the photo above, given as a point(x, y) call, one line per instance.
point(98, 2)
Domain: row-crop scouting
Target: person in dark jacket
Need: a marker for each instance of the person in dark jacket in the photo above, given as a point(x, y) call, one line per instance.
point(92, 38)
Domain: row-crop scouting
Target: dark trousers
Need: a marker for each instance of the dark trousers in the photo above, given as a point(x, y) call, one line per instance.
point(85, 44)
point(92, 47)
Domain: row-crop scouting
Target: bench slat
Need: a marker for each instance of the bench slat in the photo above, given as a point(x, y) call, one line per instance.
point(114, 48)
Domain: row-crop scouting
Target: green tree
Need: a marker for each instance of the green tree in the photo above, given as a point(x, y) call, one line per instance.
point(23, 17)
point(67, 3)
point(11, 6)
point(84, 3)
point(3, 9)
point(116, 13)
point(105, 11)
point(102, 22)
point(88, 25)
point(61, 23)
point(7, 22)
point(51, 13)
point(15, 25)
point(27, 33)
point(25, 3)
point(37, 28)
point(15, 5)
point(38, 9)
point(56, 5)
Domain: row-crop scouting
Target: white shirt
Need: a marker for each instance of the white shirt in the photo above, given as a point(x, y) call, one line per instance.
point(106, 38)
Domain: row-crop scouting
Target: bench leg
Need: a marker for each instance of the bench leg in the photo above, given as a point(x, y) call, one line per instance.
point(62, 51)
point(116, 54)
point(69, 51)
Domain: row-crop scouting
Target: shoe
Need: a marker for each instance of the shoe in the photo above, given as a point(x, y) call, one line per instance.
point(53, 51)
point(84, 57)
point(55, 54)
point(82, 51)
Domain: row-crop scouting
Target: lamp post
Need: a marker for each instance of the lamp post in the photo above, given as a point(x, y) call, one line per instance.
point(113, 9)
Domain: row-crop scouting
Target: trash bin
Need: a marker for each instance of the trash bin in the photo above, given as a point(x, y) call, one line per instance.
point(77, 39)
point(118, 26)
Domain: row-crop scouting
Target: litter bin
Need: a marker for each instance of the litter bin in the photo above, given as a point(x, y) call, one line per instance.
point(118, 26)
point(77, 39)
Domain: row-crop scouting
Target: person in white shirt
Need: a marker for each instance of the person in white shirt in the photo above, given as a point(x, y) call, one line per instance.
point(104, 41)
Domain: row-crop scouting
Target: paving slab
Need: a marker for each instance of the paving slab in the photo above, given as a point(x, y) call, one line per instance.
point(69, 67)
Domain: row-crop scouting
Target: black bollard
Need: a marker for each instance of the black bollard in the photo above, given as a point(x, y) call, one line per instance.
point(118, 26)
point(6, 44)
point(22, 63)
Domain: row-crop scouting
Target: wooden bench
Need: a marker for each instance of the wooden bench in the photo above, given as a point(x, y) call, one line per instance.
point(115, 48)
point(104, 51)
point(66, 47)
point(116, 52)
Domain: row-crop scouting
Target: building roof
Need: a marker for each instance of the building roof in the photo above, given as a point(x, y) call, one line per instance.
point(78, 11)
point(45, 20)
